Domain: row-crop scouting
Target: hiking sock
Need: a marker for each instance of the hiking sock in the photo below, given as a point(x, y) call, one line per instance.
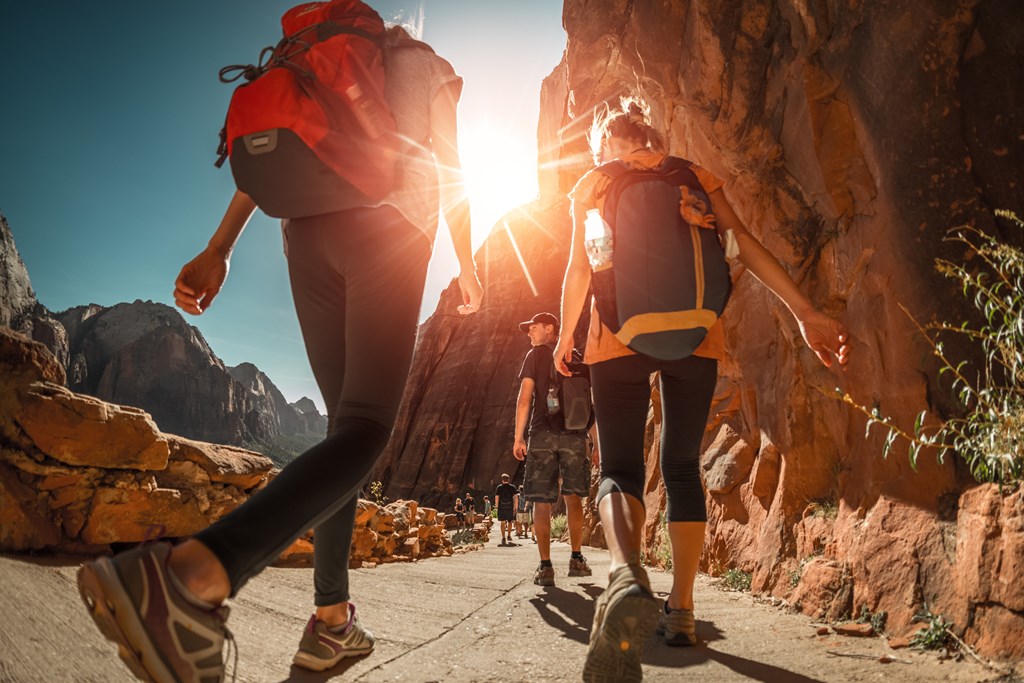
point(340, 628)
point(546, 563)
point(577, 555)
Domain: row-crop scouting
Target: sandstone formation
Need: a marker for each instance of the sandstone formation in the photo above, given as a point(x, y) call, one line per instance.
point(401, 531)
point(851, 136)
point(78, 474)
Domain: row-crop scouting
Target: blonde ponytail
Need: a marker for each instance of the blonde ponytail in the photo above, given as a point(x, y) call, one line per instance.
point(630, 122)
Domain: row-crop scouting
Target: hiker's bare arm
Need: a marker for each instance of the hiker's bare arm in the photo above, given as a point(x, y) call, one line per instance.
point(523, 404)
point(201, 279)
point(824, 335)
point(574, 291)
point(454, 203)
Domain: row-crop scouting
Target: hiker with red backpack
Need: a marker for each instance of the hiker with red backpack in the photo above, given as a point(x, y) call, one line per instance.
point(650, 235)
point(347, 130)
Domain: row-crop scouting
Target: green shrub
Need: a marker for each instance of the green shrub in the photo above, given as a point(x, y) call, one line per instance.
point(559, 523)
point(988, 432)
point(736, 579)
point(936, 633)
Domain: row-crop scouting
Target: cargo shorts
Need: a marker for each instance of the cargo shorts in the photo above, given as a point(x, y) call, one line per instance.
point(550, 454)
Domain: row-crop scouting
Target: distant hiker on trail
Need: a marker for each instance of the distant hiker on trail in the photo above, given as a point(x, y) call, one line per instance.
point(505, 498)
point(552, 455)
point(460, 512)
point(487, 507)
point(357, 275)
point(470, 504)
point(524, 516)
point(675, 208)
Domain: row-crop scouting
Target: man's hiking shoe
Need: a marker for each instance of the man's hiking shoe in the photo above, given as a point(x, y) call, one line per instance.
point(624, 616)
point(677, 626)
point(160, 635)
point(322, 647)
point(544, 576)
point(579, 567)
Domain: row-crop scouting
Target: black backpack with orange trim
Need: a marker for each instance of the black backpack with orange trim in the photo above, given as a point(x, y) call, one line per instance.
point(668, 281)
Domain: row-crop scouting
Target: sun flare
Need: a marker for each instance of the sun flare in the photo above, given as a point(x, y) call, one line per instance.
point(500, 169)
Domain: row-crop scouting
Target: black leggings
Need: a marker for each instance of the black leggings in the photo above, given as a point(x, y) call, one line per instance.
point(357, 279)
point(622, 394)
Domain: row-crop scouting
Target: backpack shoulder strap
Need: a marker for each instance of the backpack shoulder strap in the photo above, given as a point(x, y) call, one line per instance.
point(681, 171)
point(613, 169)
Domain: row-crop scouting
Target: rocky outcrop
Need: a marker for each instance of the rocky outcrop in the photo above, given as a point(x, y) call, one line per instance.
point(78, 474)
point(17, 300)
point(851, 137)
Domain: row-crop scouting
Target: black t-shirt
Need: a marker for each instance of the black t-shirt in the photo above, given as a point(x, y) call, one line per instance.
point(507, 493)
point(469, 502)
point(537, 366)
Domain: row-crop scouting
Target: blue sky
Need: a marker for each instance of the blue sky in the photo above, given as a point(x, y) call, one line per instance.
point(109, 128)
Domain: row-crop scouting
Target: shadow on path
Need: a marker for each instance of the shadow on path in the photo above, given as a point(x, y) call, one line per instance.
point(568, 611)
point(658, 653)
point(300, 675)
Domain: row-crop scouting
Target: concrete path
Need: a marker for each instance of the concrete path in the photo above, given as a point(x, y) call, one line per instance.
point(471, 617)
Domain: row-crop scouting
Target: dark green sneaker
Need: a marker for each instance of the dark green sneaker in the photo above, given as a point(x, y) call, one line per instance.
point(160, 635)
point(624, 616)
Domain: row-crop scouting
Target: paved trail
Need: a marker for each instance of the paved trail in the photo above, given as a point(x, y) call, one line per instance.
point(472, 617)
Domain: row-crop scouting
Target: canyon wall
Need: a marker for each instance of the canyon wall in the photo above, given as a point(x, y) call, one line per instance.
point(851, 137)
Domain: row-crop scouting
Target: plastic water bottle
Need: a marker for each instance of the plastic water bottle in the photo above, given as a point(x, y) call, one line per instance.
point(597, 238)
point(553, 402)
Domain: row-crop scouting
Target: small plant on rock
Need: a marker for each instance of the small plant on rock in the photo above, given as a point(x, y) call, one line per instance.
point(876, 619)
point(936, 633)
point(988, 432)
point(737, 580)
point(377, 493)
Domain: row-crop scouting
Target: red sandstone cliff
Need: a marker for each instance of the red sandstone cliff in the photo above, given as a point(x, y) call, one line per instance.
point(851, 135)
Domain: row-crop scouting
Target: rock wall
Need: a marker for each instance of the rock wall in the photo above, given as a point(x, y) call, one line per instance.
point(851, 136)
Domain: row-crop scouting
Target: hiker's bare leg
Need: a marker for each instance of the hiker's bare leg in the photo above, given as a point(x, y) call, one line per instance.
point(574, 513)
point(622, 517)
point(542, 526)
point(687, 544)
point(200, 571)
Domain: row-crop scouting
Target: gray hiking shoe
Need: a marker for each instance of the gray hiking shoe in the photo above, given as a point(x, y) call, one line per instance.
point(321, 647)
point(677, 626)
point(544, 576)
point(579, 567)
point(624, 616)
point(160, 635)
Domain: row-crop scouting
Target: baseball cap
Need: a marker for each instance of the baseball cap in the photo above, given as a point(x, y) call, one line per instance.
point(542, 318)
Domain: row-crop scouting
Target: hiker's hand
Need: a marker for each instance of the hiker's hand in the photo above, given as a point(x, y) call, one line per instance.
point(519, 449)
point(826, 336)
point(563, 354)
point(200, 281)
point(472, 292)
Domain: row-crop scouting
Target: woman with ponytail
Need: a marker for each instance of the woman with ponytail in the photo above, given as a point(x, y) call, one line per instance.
point(627, 612)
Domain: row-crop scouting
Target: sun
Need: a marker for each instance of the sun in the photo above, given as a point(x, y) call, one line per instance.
point(500, 168)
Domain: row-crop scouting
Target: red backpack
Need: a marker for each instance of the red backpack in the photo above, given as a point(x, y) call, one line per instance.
point(310, 132)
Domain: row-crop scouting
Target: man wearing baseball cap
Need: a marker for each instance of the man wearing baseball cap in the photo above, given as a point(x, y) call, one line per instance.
point(551, 454)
